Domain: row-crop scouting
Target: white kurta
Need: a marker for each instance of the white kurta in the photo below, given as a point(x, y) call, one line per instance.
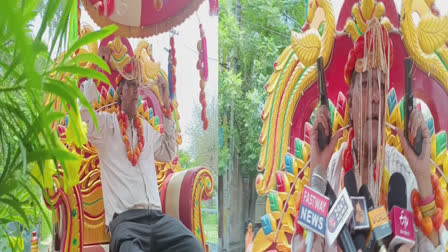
point(125, 186)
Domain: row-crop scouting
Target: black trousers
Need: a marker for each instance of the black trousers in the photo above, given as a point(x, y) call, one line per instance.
point(150, 230)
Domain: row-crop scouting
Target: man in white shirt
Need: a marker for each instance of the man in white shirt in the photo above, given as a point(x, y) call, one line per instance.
point(127, 146)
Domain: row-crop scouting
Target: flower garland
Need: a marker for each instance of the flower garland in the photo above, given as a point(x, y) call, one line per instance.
point(202, 66)
point(104, 7)
point(213, 7)
point(347, 157)
point(158, 5)
point(133, 155)
point(172, 63)
point(167, 112)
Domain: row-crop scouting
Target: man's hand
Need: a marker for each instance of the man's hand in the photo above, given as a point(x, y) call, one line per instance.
point(322, 158)
point(419, 164)
point(163, 86)
point(88, 88)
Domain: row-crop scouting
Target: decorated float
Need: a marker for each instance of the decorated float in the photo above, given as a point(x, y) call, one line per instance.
point(419, 32)
point(78, 211)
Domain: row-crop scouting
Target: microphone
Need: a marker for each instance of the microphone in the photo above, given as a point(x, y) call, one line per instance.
point(397, 189)
point(318, 182)
point(344, 238)
point(403, 233)
point(314, 207)
point(380, 227)
point(350, 183)
point(360, 220)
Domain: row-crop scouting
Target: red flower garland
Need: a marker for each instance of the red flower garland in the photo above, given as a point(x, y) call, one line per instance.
point(202, 66)
point(347, 157)
point(133, 155)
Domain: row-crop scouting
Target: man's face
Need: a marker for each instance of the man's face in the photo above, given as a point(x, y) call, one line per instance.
point(129, 97)
point(367, 104)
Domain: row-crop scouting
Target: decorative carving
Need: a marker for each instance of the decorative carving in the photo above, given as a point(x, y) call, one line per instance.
point(119, 54)
point(362, 12)
point(290, 79)
point(426, 42)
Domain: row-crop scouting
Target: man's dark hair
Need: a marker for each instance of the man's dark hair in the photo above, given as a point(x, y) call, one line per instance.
point(121, 84)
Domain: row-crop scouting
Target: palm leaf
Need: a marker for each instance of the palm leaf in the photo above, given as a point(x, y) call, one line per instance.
point(92, 37)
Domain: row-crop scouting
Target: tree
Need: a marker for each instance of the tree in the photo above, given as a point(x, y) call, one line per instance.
point(184, 159)
point(252, 33)
point(204, 144)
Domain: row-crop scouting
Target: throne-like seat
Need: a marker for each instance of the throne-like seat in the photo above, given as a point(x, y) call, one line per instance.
point(79, 217)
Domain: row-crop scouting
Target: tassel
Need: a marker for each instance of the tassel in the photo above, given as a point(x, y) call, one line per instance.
point(214, 7)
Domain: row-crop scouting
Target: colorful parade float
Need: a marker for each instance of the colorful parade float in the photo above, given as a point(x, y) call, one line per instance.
point(78, 212)
point(418, 32)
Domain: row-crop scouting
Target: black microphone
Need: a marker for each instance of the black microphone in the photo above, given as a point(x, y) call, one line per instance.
point(350, 183)
point(402, 220)
point(359, 237)
point(380, 227)
point(364, 192)
point(344, 237)
point(396, 196)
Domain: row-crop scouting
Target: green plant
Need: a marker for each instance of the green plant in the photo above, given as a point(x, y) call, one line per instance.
point(30, 149)
point(252, 34)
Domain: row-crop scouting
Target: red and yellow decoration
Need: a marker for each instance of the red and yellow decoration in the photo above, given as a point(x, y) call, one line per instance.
point(133, 155)
point(202, 66)
point(158, 5)
point(172, 64)
point(168, 112)
point(355, 60)
point(140, 18)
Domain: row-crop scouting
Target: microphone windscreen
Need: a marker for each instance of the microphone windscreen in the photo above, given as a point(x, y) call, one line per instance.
point(350, 183)
point(319, 180)
point(396, 195)
point(364, 192)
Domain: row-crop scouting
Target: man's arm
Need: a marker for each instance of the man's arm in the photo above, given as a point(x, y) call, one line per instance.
point(164, 145)
point(105, 124)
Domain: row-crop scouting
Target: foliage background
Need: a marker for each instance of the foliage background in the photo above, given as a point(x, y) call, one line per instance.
point(252, 34)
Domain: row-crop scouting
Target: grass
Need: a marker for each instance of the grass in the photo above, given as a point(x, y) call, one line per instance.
point(210, 225)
